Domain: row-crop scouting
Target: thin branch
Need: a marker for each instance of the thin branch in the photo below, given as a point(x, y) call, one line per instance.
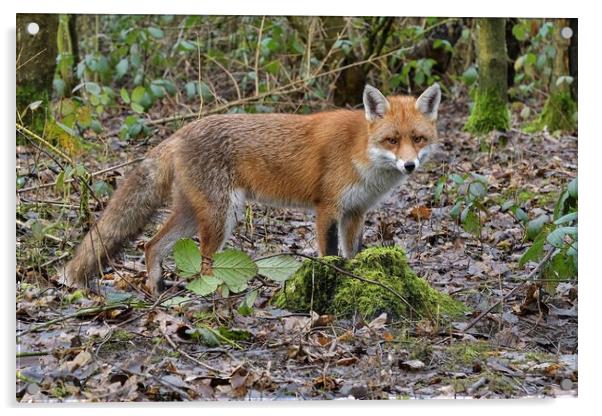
point(507, 295)
point(100, 172)
point(81, 312)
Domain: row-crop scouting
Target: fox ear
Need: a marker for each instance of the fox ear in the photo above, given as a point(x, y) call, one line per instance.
point(428, 102)
point(375, 103)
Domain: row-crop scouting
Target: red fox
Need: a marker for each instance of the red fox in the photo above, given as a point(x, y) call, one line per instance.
point(340, 163)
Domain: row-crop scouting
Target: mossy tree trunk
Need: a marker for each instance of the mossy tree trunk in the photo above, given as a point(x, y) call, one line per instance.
point(559, 110)
point(36, 64)
point(490, 110)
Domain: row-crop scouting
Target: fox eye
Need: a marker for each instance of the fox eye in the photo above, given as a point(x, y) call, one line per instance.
point(392, 140)
point(419, 139)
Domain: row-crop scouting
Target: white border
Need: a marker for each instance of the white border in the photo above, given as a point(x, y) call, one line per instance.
point(589, 172)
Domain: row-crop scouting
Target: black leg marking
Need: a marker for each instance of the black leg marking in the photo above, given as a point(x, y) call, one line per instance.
point(332, 240)
point(359, 241)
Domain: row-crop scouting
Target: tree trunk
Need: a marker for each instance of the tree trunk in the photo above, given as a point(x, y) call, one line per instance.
point(490, 111)
point(36, 63)
point(559, 110)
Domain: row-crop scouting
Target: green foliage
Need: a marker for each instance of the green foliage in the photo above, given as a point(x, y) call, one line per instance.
point(279, 268)
point(558, 114)
point(232, 270)
point(321, 288)
point(559, 235)
point(533, 68)
point(469, 195)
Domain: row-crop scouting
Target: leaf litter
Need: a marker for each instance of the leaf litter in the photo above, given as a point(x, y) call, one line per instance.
point(193, 348)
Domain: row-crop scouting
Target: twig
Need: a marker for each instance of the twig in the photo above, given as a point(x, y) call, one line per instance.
point(190, 357)
point(257, 49)
point(507, 295)
point(81, 312)
point(32, 354)
point(100, 172)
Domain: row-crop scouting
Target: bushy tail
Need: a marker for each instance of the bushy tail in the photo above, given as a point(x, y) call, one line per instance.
point(145, 190)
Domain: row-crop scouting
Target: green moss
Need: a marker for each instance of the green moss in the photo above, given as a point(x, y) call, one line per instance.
point(312, 287)
point(558, 113)
point(320, 288)
point(462, 354)
point(489, 113)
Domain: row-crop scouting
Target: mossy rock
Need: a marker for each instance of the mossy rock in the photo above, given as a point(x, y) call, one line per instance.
point(321, 288)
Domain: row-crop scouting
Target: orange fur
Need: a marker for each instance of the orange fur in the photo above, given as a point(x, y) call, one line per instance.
point(337, 162)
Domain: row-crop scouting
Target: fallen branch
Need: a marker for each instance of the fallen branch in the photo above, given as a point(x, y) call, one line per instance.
point(513, 291)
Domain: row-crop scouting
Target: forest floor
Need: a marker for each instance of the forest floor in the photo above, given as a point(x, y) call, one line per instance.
point(123, 347)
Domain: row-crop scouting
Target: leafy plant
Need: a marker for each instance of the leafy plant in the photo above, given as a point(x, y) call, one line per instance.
point(232, 270)
point(469, 195)
point(559, 234)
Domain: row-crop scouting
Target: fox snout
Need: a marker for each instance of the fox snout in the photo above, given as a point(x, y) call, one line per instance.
point(407, 166)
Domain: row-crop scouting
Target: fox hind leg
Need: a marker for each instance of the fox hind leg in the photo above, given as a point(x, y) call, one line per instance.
point(216, 219)
point(180, 224)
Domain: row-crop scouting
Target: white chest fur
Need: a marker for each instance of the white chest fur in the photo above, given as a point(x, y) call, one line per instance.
point(375, 182)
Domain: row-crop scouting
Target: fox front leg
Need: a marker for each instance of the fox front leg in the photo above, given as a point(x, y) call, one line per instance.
point(327, 229)
point(350, 230)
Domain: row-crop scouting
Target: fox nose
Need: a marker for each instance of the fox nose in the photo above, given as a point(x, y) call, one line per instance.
point(409, 166)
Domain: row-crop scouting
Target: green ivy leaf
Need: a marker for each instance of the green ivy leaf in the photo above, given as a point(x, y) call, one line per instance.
point(138, 94)
point(533, 253)
point(455, 211)
point(92, 88)
point(137, 108)
point(470, 221)
point(234, 268)
point(187, 257)
point(125, 96)
point(246, 306)
point(456, 178)
point(470, 75)
point(175, 301)
point(566, 218)
point(122, 68)
point(156, 32)
point(279, 268)
point(572, 188)
point(556, 237)
point(535, 226)
point(521, 215)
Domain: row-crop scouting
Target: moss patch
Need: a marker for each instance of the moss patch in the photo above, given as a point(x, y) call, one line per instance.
point(320, 288)
point(558, 113)
point(490, 113)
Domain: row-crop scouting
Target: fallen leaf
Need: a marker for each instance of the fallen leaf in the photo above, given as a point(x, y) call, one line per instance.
point(420, 213)
point(79, 361)
point(412, 365)
point(347, 361)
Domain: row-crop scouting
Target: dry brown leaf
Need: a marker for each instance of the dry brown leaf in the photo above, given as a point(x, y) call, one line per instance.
point(420, 213)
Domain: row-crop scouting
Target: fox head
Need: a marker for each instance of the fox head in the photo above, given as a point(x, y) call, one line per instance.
point(401, 129)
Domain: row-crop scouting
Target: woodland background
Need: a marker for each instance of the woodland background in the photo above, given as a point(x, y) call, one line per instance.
point(491, 221)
